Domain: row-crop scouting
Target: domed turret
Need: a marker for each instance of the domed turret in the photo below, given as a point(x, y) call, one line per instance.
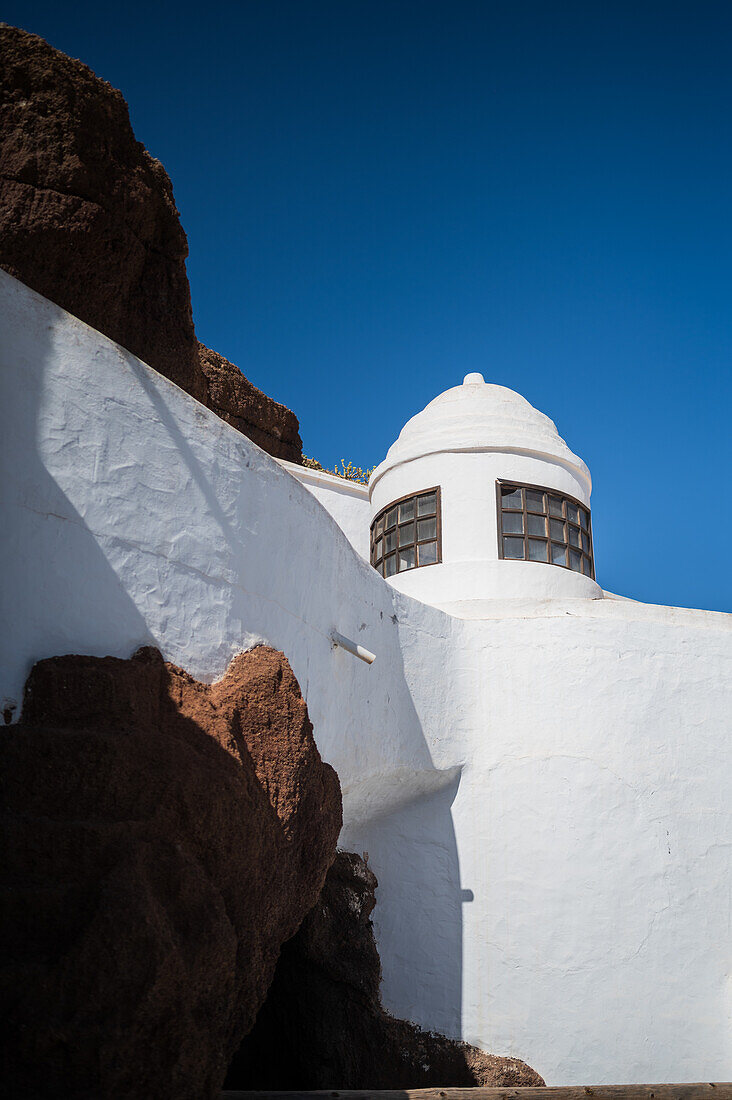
point(481, 486)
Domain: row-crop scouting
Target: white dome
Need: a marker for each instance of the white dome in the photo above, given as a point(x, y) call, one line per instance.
point(479, 416)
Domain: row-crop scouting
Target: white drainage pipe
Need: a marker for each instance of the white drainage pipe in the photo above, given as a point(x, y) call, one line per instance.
point(357, 650)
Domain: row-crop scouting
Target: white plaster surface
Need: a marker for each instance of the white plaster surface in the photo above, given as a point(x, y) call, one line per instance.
point(542, 784)
point(346, 501)
point(465, 441)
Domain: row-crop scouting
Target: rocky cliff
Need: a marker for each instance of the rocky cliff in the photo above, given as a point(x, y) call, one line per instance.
point(161, 838)
point(88, 219)
point(323, 1025)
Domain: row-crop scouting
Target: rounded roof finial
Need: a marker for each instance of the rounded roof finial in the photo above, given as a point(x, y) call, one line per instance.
point(473, 379)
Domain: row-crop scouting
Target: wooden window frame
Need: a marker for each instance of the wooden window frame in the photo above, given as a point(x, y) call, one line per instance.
point(416, 542)
point(525, 513)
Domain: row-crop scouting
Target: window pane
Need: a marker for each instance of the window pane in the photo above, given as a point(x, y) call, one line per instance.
point(559, 555)
point(537, 550)
point(406, 510)
point(575, 561)
point(588, 566)
point(406, 534)
point(555, 506)
point(427, 528)
point(585, 542)
point(377, 549)
point(557, 530)
point(390, 566)
point(572, 512)
point(406, 559)
point(513, 548)
point(390, 541)
point(428, 553)
point(513, 523)
point(534, 500)
point(583, 518)
point(537, 525)
point(391, 517)
point(426, 505)
point(511, 498)
point(574, 536)
point(380, 526)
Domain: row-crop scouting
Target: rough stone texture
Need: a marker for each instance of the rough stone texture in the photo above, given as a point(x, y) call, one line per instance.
point(323, 1025)
point(87, 216)
point(88, 219)
point(161, 838)
point(270, 425)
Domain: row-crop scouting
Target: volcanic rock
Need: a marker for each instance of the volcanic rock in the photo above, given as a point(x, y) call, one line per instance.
point(161, 838)
point(270, 425)
point(87, 216)
point(323, 1026)
point(88, 219)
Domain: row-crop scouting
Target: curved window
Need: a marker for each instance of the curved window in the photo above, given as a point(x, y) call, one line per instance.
point(407, 534)
point(537, 524)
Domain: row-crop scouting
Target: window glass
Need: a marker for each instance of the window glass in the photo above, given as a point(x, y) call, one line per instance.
point(511, 498)
point(557, 531)
point(427, 553)
point(400, 541)
point(513, 523)
point(513, 548)
point(539, 513)
point(537, 550)
point(427, 528)
point(406, 558)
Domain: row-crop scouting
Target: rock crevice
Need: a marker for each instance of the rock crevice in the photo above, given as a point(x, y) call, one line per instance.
point(323, 1025)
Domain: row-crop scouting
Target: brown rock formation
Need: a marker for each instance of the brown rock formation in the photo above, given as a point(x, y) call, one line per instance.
point(88, 219)
point(323, 1025)
point(161, 838)
point(270, 425)
point(87, 216)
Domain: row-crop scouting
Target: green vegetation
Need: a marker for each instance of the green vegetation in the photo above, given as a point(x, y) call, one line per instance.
point(349, 472)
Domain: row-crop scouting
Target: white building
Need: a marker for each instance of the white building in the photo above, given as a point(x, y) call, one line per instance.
point(539, 771)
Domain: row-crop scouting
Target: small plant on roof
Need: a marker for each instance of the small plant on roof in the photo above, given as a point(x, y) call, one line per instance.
point(347, 471)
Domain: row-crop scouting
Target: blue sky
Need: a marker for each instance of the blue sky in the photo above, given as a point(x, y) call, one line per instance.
point(382, 196)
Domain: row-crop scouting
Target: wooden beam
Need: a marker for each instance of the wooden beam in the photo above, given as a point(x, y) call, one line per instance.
point(704, 1090)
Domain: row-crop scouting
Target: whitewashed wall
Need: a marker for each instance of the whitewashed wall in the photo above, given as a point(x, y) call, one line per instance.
point(542, 788)
point(133, 515)
point(593, 843)
point(346, 501)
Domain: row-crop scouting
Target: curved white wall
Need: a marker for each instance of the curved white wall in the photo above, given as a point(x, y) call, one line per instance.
point(470, 567)
point(346, 501)
point(543, 790)
point(594, 843)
